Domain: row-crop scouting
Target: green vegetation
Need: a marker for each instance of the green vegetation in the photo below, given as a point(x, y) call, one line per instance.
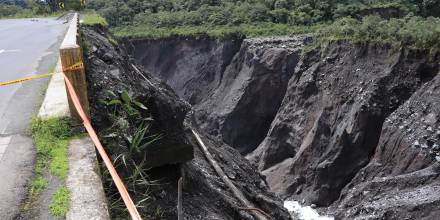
point(92, 18)
point(127, 138)
point(51, 138)
point(411, 31)
point(38, 185)
point(60, 202)
point(36, 8)
point(12, 11)
point(220, 18)
point(263, 29)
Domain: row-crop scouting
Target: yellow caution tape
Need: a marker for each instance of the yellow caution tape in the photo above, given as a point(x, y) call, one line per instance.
point(25, 79)
point(76, 66)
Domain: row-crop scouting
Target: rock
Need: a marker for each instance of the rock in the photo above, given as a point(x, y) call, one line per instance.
point(324, 123)
point(108, 57)
point(224, 79)
point(124, 77)
point(206, 196)
point(404, 180)
point(311, 127)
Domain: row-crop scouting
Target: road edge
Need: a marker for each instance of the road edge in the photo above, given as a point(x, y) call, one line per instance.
point(83, 179)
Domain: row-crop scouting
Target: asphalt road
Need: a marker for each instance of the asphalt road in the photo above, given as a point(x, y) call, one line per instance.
point(27, 47)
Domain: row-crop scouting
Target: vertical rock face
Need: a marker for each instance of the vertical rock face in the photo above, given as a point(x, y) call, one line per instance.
point(402, 179)
point(110, 71)
point(330, 121)
point(235, 86)
point(351, 126)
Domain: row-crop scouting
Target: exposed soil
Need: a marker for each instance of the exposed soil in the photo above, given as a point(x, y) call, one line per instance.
point(235, 86)
point(351, 127)
point(205, 195)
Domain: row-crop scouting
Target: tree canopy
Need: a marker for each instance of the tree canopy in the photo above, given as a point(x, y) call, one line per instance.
point(30, 8)
point(172, 13)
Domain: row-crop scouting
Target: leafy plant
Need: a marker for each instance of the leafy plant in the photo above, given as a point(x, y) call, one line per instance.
point(128, 137)
point(125, 101)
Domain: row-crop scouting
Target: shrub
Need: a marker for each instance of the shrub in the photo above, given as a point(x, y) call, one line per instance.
point(412, 31)
point(92, 18)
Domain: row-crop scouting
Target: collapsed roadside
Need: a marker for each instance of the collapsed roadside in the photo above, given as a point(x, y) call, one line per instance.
point(126, 101)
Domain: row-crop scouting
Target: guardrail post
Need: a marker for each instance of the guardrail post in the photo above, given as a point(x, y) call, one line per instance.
point(71, 54)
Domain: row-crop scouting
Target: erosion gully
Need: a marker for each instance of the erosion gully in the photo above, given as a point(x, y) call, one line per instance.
point(350, 130)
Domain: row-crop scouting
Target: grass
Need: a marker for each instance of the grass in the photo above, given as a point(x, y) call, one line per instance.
point(91, 18)
point(30, 14)
point(51, 139)
point(411, 32)
point(129, 158)
point(39, 185)
point(60, 202)
point(138, 31)
point(59, 165)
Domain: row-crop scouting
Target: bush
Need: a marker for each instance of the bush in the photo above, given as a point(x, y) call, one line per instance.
point(279, 16)
point(91, 18)
point(135, 18)
point(412, 31)
point(8, 10)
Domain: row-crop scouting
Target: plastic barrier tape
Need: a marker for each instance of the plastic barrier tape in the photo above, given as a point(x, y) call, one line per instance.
point(74, 67)
point(107, 161)
point(25, 79)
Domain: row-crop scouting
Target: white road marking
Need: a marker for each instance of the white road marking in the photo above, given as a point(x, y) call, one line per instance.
point(4, 142)
point(6, 51)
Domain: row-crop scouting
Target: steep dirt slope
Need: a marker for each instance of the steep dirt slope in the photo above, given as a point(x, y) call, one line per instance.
point(205, 195)
point(312, 123)
point(235, 86)
point(330, 121)
point(402, 180)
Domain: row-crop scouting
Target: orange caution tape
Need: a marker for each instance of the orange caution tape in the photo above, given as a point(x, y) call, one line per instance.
point(86, 122)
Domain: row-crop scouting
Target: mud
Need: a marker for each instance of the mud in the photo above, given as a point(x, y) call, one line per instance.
point(235, 86)
point(350, 128)
point(205, 195)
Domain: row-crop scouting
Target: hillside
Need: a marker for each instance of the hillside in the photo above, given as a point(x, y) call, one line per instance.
point(157, 19)
point(331, 104)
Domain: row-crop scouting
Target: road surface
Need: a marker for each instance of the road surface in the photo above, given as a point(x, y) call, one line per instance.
point(27, 47)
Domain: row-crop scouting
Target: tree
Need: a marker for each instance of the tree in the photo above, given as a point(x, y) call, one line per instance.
point(7, 10)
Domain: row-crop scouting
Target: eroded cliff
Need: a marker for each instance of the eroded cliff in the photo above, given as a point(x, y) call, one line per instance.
point(328, 126)
point(124, 99)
